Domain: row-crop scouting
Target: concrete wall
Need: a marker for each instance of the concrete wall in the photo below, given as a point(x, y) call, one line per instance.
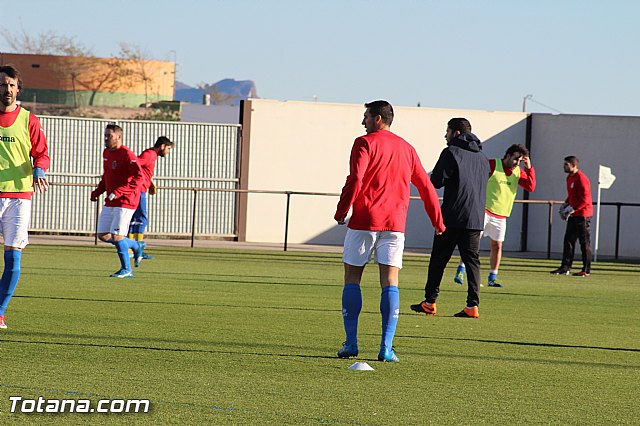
point(596, 140)
point(305, 146)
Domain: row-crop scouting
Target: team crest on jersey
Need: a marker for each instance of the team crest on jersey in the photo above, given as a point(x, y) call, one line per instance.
point(114, 165)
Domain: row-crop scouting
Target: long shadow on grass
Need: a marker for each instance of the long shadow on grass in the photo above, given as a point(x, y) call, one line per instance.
point(162, 302)
point(180, 275)
point(161, 349)
point(504, 342)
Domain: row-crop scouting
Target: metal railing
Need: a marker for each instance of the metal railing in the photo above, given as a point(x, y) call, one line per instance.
point(288, 194)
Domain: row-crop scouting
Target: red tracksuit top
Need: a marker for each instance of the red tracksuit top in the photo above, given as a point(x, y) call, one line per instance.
point(147, 162)
point(579, 190)
point(382, 166)
point(122, 176)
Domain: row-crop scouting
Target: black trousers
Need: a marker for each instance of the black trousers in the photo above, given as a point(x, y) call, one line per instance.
point(578, 228)
point(468, 243)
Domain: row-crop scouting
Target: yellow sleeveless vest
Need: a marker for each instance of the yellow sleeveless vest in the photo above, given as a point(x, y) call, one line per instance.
point(501, 190)
point(16, 171)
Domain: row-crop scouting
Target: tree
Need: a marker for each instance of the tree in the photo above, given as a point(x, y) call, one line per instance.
point(142, 68)
point(49, 43)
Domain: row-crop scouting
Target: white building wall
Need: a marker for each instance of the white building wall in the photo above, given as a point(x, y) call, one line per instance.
point(305, 146)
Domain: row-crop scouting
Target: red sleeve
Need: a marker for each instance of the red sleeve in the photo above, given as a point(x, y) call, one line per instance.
point(357, 167)
point(99, 189)
point(39, 148)
point(528, 179)
point(421, 181)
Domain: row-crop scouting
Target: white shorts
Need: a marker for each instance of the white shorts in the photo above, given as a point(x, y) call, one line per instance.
point(387, 246)
point(494, 227)
point(114, 220)
point(15, 215)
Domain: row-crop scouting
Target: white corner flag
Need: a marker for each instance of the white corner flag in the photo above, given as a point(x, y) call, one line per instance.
point(605, 177)
point(605, 180)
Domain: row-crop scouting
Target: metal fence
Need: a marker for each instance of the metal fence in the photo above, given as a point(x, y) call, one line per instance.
point(205, 156)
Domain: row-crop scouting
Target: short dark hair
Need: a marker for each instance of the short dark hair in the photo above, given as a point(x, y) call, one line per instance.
point(114, 127)
point(162, 140)
point(460, 124)
point(383, 109)
point(571, 159)
point(517, 148)
point(12, 72)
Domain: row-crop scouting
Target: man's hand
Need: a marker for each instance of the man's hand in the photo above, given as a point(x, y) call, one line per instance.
point(341, 221)
point(93, 196)
point(40, 182)
point(527, 162)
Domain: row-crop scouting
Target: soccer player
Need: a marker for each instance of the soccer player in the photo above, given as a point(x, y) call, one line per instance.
point(21, 140)
point(506, 175)
point(463, 170)
point(579, 221)
point(382, 166)
point(147, 162)
point(121, 180)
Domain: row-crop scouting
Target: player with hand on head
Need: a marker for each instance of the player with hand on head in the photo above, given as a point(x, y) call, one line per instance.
point(121, 180)
point(21, 140)
point(502, 187)
point(382, 167)
point(147, 162)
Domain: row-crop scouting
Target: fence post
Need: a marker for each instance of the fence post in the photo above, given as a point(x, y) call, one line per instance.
point(286, 221)
point(193, 217)
point(549, 230)
point(95, 238)
point(619, 207)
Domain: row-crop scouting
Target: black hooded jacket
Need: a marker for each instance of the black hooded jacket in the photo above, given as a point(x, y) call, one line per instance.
point(463, 170)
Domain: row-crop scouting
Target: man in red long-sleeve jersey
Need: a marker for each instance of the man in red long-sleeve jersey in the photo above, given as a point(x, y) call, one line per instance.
point(21, 140)
point(579, 221)
point(382, 167)
point(121, 180)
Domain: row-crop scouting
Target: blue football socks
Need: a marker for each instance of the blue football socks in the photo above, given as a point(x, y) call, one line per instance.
point(351, 307)
point(492, 276)
point(122, 247)
point(10, 277)
point(390, 310)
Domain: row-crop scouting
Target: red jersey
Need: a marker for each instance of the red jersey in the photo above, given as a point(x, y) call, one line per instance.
point(382, 166)
point(147, 162)
point(579, 190)
point(122, 176)
point(39, 149)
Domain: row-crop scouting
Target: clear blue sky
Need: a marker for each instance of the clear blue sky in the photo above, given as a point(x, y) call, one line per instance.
point(574, 56)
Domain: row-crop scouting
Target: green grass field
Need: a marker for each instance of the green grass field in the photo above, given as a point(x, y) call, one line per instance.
point(249, 337)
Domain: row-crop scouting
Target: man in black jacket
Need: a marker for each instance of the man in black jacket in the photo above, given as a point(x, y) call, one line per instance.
point(463, 170)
